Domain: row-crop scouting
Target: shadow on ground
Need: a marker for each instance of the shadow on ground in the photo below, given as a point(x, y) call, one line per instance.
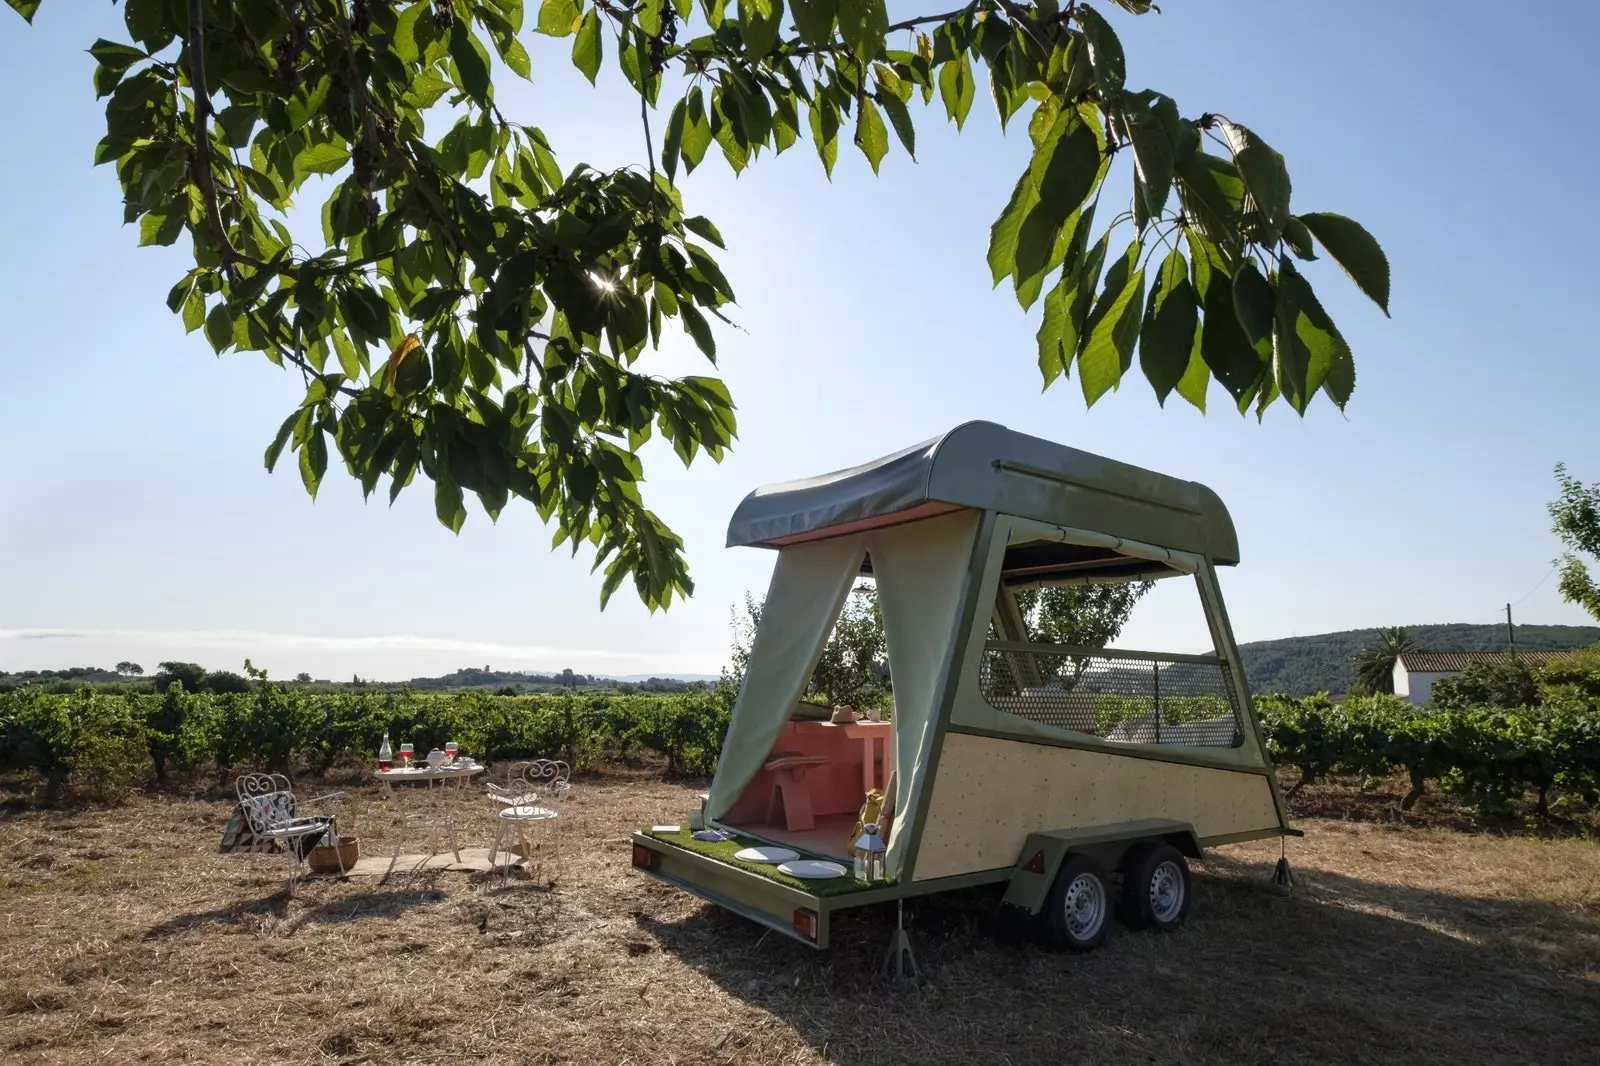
point(1327, 973)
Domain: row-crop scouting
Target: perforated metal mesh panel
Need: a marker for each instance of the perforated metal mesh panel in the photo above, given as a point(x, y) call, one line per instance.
point(1129, 697)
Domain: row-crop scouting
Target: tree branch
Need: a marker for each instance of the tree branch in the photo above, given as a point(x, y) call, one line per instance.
point(202, 139)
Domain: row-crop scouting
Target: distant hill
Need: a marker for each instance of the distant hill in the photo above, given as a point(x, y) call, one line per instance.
point(1301, 666)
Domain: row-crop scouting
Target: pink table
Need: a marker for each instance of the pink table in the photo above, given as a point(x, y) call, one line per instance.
point(869, 733)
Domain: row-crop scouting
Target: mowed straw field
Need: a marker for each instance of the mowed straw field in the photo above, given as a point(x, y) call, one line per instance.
point(126, 937)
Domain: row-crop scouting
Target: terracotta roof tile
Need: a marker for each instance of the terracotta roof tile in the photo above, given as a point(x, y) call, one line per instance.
point(1453, 662)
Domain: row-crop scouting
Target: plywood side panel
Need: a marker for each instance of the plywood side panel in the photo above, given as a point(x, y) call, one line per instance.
point(989, 794)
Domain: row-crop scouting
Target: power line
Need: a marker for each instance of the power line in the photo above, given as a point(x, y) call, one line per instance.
point(1553, 568)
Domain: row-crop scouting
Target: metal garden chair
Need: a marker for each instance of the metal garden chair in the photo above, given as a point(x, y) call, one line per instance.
point(533, 797)
point(273, 815)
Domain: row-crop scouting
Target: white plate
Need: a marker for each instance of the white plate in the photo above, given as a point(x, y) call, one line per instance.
point(770, 856)
point(812, 869)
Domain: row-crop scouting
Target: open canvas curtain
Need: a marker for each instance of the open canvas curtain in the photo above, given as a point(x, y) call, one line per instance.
point(809, 584)
point(921, 571)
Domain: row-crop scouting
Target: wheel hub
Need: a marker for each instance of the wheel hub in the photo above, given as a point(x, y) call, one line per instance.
point(1085, 906)
point(1166, 891)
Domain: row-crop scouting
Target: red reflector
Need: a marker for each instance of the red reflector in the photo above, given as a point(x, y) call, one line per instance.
point(1035, 864)
point(643, 857)
point(805, 923)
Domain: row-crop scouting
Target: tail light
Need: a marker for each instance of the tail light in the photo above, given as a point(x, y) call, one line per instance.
point(643, 857)
point(1036, 864)
point(805, 922)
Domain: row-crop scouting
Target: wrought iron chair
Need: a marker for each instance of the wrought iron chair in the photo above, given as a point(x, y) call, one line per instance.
point(537, 794)
point(514, 791)
point(273, 817)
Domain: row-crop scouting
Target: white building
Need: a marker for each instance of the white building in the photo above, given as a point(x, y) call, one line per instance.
point(1415, 672)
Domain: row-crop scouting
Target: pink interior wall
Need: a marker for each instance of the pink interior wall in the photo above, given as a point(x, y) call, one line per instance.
point(835, 785)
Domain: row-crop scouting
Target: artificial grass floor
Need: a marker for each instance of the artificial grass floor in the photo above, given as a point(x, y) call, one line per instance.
point(723, 851)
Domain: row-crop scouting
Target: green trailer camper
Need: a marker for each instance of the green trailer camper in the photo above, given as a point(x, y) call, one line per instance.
point(1082, 777)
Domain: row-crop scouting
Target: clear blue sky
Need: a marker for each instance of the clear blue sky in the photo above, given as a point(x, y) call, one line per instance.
point(136, 520)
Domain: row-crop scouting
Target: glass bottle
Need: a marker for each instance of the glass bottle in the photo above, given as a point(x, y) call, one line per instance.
point(385, 753)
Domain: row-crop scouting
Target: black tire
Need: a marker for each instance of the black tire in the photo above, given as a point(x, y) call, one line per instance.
point(1078, 912)
point(1156, 889)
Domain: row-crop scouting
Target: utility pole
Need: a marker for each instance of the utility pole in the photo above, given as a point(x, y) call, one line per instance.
point(1511, 634)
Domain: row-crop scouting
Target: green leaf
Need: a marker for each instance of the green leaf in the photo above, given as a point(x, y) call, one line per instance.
point(814, 20)
point(349, 360)
point(862, 24)
point(696, 130)
point(145, 19)
point(672, 145)
point(872, 137)
point(1298, 238)
point(1007, 229)
point(1113, 327)
point(160, 229)
point(447, 503)
point(1223, 344)
point(1171, 319)
point(1213, 195)
point(587, 48)
point(703, 226)
point(1054, 352)
point(314, 461)
point(1105, 50)
point(956, 88)
point(219, 328)
point(1196, 378)
point(516, 57)
point(1064, 170)
point(825, 132)
point(759, 21)
point(324, 158)
point(194, 310)
point(1264, 173)
point(275, 449)
point(900, 119)
point(1356, 252)
point(472, 62)
point(699, 329)
point(1306, 344)
point(1255, 304)
point(559, 18)
point(25, 8)
point(114, 56)
point(1153, 161)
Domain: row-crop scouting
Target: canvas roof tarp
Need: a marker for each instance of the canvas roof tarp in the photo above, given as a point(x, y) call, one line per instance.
point(985, 466)
point(921, 571)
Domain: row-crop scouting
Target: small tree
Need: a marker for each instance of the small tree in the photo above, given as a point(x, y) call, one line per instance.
point(128, 669)
point(1375, 663)
point(1088, 616)
point(853, 667)
point(302, 678)
point(1509, 684)
point(1576, 518)
point(192, 676)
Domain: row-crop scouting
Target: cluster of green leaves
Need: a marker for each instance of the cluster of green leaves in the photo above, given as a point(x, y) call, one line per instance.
point(1576, 518)
point(475, 315)
point(1225, 299)
point(99, 744)
point(852, 670)
point(1490, 754)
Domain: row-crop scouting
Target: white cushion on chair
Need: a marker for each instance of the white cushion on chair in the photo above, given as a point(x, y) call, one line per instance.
point(527, 813)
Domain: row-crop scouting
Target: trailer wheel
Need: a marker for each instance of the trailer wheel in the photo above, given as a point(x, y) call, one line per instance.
point(1155, 887)
point(1079, 905)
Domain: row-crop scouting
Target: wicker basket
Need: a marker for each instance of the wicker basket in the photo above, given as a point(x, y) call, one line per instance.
point(327, 860)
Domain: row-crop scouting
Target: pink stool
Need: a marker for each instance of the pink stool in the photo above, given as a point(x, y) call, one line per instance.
point(790, 790)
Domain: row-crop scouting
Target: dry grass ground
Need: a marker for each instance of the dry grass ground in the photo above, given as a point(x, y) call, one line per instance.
point(125, 937)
